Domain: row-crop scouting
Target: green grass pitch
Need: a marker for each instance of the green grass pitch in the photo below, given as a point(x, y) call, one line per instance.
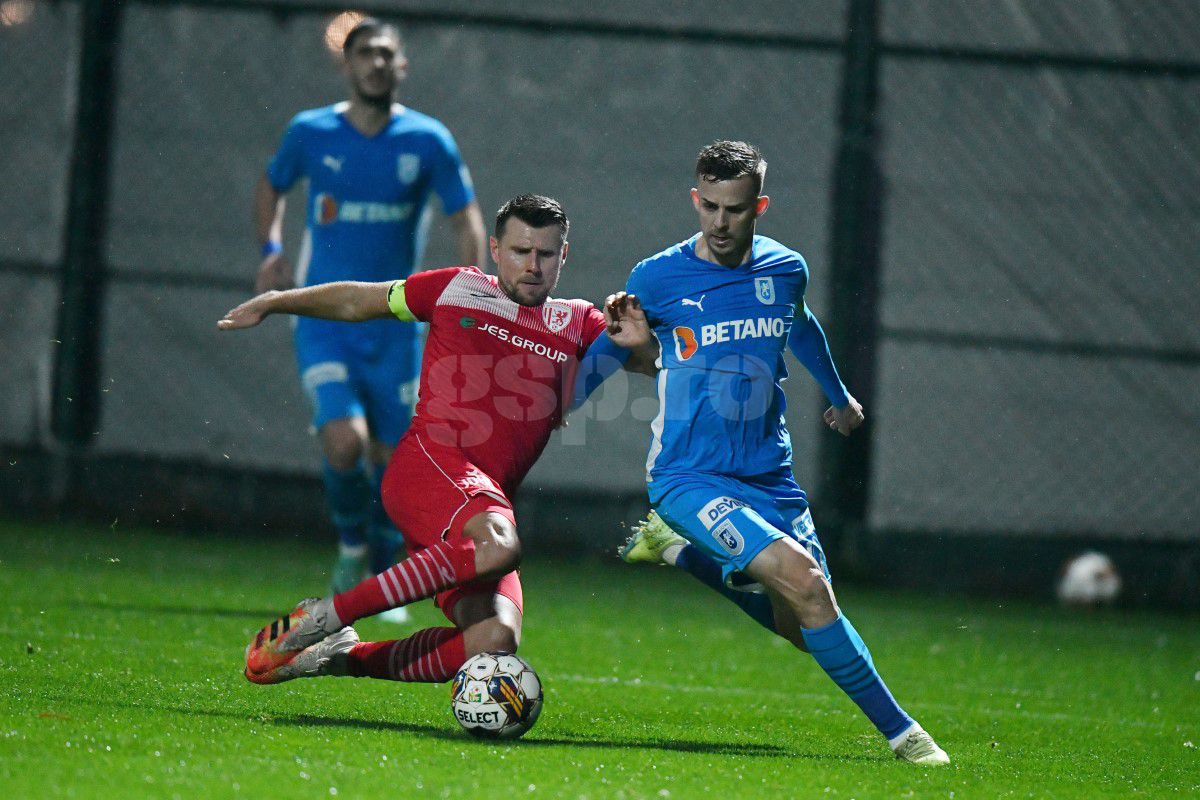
point(121, 658)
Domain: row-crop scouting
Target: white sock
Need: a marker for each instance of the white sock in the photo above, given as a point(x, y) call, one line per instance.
point(351, 550)
point(899, 740)
point(325, 615)
point(671, 554)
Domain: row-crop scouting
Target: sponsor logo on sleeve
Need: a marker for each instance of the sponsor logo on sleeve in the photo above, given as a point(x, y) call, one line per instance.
point(717, 508)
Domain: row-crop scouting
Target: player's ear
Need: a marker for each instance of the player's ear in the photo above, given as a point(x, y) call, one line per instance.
point(695, 198)
point(566, 246)
point(494, 247)
point(401, 66)
point(761, 206)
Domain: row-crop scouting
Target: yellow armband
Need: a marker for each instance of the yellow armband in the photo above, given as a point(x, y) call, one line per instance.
point(397, 303)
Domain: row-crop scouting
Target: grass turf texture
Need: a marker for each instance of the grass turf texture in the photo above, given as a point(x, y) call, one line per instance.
point(121, 658)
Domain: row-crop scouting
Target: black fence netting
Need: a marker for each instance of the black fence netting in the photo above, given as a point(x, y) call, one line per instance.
point(1038, 365)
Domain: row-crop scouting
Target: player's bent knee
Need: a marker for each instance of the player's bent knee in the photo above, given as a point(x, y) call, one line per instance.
point(497, 547)
point(342, 444)
point(812, 586)
point(493, 635)
point(792, 572)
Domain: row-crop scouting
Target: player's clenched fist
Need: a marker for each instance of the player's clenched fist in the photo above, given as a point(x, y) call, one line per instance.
point(845, 419)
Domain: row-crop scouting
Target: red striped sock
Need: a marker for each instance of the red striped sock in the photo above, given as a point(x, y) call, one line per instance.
point(429, 656)
point(421, 575)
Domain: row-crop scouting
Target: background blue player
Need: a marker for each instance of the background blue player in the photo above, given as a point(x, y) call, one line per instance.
point(723, 305)
point(372, 166)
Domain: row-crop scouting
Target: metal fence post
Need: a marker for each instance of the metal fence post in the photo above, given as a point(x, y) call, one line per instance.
point(854, 270)
point(76, 398)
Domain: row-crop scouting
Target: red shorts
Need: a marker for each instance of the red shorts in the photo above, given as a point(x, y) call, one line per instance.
point(430, 493)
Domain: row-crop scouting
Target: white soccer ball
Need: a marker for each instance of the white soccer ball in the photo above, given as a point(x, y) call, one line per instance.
point(1089, 579)
point(496, 696)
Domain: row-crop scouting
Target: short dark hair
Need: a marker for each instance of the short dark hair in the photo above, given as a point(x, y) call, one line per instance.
point(534, 210)
point(726, 161)
point(370, 25)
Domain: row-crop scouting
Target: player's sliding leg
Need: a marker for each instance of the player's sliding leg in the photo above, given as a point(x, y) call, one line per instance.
point(487, 547)
point(654, 542)
point(487, 617)
point(807, 614)
point(326, 657)
point(486, 622)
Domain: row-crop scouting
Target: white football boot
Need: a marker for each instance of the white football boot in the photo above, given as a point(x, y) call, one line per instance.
point(918, 747)
point(326, 657)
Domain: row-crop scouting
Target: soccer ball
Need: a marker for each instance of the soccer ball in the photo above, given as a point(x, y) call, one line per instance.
point(496, 696)
point(1089, 579)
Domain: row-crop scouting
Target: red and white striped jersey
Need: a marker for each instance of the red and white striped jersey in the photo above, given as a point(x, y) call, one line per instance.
point(496, 375)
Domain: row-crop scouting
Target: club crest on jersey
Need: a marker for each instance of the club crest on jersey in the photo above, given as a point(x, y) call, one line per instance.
point(764, 290)
point(557, 316)
point(408, 167)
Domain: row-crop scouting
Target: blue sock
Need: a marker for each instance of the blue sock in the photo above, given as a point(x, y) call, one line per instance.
point(840, 651)
point(758, 606)
point(349, 497)
point(384, 539)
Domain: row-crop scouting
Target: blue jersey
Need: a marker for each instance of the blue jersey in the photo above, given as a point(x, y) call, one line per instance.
point(367, 196)
point(722, 333)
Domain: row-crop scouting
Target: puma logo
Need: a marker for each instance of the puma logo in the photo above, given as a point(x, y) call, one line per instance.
point(687, 301)
point(334, 164)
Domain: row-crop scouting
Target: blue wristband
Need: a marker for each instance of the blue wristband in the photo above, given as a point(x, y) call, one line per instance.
point(271, 247)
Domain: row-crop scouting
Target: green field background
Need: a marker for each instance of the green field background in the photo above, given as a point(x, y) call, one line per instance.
point(121, 654)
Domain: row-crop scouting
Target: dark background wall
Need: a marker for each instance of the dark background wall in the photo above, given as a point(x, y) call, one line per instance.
point(1036, 364)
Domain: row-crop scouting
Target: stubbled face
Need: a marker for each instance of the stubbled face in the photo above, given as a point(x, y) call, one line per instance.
point(374, 66)
point(528, 260)
point(728, 211)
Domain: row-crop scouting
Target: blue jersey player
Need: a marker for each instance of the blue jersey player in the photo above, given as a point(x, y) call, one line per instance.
point(373, 167)
point(723, 306)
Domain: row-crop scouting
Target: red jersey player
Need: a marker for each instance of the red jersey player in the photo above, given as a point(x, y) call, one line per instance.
point(500, 357)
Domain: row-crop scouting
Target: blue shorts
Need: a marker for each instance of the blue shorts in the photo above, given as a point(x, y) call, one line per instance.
point(372, 373)
point(732, 519)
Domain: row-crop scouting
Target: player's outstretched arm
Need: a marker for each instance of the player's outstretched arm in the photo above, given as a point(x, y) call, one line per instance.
point(808, 343)
point(345, 301)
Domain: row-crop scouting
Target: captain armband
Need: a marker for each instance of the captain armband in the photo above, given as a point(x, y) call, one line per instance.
point(397, 303)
